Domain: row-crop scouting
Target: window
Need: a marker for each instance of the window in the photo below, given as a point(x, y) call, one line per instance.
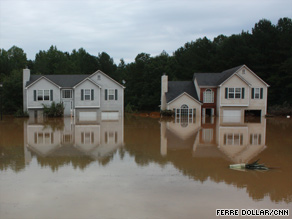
point(66, 94)
point(87, 137)
point(86, 94)
point(40, 95)
point(46, 95)
point(111, 94)
point(43, 95)
point(184, 110)
point(256, 93)
point(233, 139)
point(208, 96)
point(255, 139)
point(234, 93)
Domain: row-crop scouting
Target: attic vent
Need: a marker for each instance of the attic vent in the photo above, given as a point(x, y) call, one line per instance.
point(243, 71)
point(98, 77)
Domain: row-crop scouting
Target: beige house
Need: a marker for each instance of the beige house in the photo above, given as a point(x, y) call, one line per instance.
point(231, 94)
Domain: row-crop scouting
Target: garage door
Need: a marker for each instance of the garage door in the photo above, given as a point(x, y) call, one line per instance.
point(231, 116)
point(110, 116)
point(87, 116)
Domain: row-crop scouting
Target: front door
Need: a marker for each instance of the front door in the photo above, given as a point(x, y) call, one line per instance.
point(67, 107)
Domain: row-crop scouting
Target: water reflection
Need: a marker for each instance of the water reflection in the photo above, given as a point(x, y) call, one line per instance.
point(199, 149)
point(239, 142)
point(61, 141)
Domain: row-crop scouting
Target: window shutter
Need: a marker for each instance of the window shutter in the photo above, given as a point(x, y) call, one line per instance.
point(261, 94)
point(82, 94)
point(51, 95)
point(105, 94)
point(116, 94)
point(226, 93)
point(252, 93)
point(92, 94)
point(242, 93)
point(34, 95)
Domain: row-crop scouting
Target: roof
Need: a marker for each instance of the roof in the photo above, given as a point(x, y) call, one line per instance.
point(60, 80)
point(214, 79)
point(176, 88)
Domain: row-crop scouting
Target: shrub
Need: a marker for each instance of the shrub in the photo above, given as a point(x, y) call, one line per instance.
point(20, 113)
point(166, 112)
point(55, 110)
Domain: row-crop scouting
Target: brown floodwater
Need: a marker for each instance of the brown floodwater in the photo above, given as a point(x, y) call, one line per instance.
point(142, 167)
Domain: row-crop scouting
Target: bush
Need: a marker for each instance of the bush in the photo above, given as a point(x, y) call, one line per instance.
point(20, 113)
point(129, 108)
point(167, 113)
point(55, 110)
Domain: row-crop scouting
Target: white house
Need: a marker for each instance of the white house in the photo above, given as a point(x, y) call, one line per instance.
point(86, 96)
point(231, 93)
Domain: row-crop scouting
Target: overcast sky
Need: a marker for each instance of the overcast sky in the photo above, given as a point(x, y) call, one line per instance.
point(125, 28)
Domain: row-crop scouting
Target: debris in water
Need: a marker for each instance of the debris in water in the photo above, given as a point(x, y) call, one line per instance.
point(252, 166)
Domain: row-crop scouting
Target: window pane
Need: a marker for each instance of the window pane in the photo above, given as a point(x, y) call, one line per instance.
point(46, 94)
point(256, 93)
point(87, 94)
point(238, 93)
point(40, 95)
point(111, 94)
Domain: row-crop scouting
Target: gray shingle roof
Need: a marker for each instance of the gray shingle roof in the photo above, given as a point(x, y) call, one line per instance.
point(176, 88)
point(214, 79)
point(61, 80)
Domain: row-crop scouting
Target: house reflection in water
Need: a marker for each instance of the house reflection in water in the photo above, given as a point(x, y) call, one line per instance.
point(237, 140)
point(95, 139)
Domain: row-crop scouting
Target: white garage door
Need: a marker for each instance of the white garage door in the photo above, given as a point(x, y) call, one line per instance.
point(110, 116)
point(87, 116)
point(231, 116)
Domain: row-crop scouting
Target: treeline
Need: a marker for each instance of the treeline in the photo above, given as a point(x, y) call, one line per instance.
point(267, 50)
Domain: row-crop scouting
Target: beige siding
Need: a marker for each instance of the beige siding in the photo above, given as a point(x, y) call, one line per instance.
point(234, 82)
point(185, 99)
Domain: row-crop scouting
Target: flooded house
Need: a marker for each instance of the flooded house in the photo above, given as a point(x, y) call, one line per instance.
point(89, 97)
point(231, 94)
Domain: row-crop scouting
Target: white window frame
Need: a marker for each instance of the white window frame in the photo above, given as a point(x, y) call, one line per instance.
point(41, 94)
point(208, 96)
point(234, 93)
point(111, 94)
point(257, 93)
point(86, 95)
point(233, 139)
point(64, 92)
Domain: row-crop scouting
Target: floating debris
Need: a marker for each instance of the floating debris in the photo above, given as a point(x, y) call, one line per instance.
point(252, 166)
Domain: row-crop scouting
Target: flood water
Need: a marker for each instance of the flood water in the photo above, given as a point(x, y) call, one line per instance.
point(142, 167)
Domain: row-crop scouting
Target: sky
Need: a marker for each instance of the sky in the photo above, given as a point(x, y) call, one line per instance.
point(125, 28)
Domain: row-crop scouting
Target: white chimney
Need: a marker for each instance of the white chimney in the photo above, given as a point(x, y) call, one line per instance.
point(25, 79)
point(164, 89)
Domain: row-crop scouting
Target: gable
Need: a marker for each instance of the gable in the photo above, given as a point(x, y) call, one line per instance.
point(102, 78)
point(184, 98)
point(42, 83)
point(251, 77)
point(235, 80)
point(87, 80)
